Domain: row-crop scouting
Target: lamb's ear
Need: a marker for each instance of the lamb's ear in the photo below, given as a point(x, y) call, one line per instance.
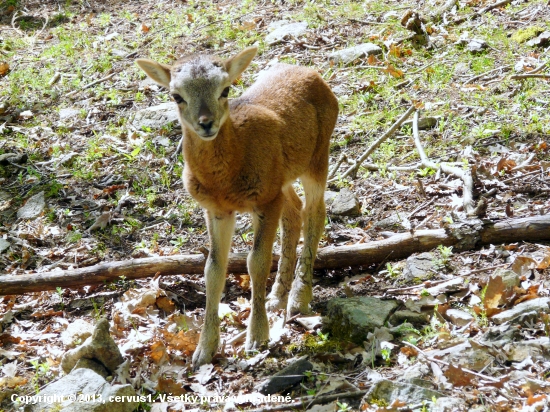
point(237, 64)
point(159, 72)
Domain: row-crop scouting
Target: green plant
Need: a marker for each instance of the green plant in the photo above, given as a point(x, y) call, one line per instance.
point(60, 292)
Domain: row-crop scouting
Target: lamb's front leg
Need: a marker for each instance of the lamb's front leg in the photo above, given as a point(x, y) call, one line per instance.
point(265, 220)
point(220, 231)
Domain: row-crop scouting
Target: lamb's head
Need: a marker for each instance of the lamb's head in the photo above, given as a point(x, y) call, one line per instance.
point(199, 84)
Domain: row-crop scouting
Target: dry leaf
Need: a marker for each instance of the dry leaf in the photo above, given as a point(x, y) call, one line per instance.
point(505, 164)
point(457, 376)
point(4, 68)
point(408, 351)
point(144, 28)
point(166, 304)
point(493, 293)
point(392, 71)
point(158, 353)
point(523, 264)
point(167, 385)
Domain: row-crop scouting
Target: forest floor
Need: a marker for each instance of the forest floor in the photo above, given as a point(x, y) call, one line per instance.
point(80, 184)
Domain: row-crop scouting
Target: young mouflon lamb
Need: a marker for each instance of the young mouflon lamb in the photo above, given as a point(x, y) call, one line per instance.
point(243, 155)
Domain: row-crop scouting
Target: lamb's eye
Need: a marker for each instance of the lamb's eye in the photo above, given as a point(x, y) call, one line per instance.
point(225, 92)
point(178, 99)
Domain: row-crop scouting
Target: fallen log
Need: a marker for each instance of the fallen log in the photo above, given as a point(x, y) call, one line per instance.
point(536, 228)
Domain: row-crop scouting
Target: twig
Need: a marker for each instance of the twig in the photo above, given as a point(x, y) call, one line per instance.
point(537, 69)
point(524, 164)
point(479, 76)
point(308, 401)
point(529, 76)
point(342, 158)
point(481, 12)
point(377, 143)
point(464, 175)
point(479, 375)
point(520, 176)
point(91, 84)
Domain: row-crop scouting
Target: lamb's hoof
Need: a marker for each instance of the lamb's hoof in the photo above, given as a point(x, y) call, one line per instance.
point(274, 303)
point(297, 308)
point(202, 356)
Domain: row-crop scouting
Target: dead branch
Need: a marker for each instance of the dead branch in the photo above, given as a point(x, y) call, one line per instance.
point(530, 76)
point(481, 12)
point(306, 402)
point(464, 175)
point(103, 79)
point(400, 246)
point(374, 146)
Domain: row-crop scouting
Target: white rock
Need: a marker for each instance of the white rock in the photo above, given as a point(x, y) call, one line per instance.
point(34, 206)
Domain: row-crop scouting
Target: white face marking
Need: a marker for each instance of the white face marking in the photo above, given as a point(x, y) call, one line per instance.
point(199, 68)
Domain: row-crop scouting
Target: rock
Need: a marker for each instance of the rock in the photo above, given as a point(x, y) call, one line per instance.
point(100, 347)
point(329, 197)
point(77, 330)
point(354, 318)
point(156, 117)
point(286, 377)
point(459, 317)
point(283, 29)
point(524, 34)
point(33, 207)
point(310, 322)
point(415, 318)
point(535, 348)
point(4, 244)
point(389, 392)
point(474, 359)
point(93, 365)
point(394, 222)
point(541, 40)
point(7, 158)
point(476, 45)
point(536, 306)
point(68, 113)
point(414, 372)
point(91, 386)
point(498, 336)
point(420, 267)
point(345, 204)
point(424, 123)
point(351, 54)
point(448, 404)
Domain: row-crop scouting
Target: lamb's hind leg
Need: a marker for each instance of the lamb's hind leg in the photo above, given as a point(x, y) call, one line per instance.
point(220, 230)
point(291, 225)
point(313, 216)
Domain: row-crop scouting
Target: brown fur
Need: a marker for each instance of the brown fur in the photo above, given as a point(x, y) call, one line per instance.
point(276, 132)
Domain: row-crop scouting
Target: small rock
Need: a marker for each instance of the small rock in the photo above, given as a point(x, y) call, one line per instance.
point(93, 386)
point(286, 377)
point(33, 208)
point(329, 197)
point(77, 330)
point(68, 113)
point(424, 123)
point(395, 221)
point(345, 204)
point(459, 317)
point(97, 367)
point(4, 244)
point(421, 266)
point(541, 40)
point(535, 348)
point(390, 392)
point(414, 372)
point(8, 158)
point(498, 336)
point(415, 318)
point(354, 318)
point(284, 29)
point(470, 358)
point(99, 347)
point(351, 54)
point(156, 117)
point(476, 45)
point(537, 306)
point(524, 34)
point(310, 322)
point(448, 404)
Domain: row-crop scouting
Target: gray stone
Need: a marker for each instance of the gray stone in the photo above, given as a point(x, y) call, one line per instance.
point(33, 208)
point(284, 29)
point(8, 158)
point(459, 317)
point(68, 113)
point(329, 197)
point(415, 318)
point(421, 266)
point(79, 330)
point(345, 204)
point(535, 348)
point(351, 54)
point(424, 123)
point(394, 222)
point(537, 306)
point(156, 117)
point(89, 384)
point(286, 377)
point(448, 404)
point(476, 45)
point(100, 347)
point(389, 392)
point(470, 358)
point(93, 365)
point(414, 372)
point(354, 318)
point(4, 244)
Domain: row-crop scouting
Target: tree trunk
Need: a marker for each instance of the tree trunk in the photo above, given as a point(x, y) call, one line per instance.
point(402, 245)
